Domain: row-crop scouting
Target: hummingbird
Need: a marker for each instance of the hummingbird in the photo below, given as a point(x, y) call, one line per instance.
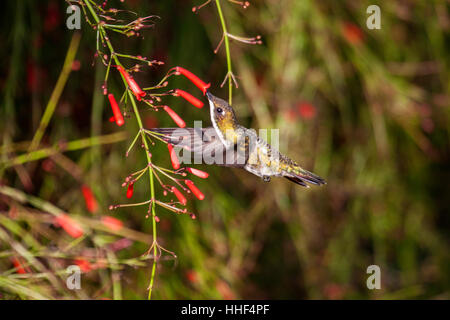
point(229, 144)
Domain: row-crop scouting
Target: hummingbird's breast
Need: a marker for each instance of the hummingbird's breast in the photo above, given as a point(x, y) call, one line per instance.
point(263, 160)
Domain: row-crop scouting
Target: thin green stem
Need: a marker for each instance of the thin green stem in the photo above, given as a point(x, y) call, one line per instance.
point(132, 144)
point(69, 146)
point(57, 91)
point(227, 50)
point(23, 197)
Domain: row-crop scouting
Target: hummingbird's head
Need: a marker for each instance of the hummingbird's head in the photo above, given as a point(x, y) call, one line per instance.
point(222, 114)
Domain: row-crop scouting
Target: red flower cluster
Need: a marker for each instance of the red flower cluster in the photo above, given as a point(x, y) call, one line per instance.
point(113, 223)
point(182, 199)
point(189, 183)
point(139, 93)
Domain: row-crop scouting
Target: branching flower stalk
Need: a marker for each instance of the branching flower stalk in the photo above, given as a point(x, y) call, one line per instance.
point(102, 32)
point(230, 74)
point(226, 36)
point(132, 93)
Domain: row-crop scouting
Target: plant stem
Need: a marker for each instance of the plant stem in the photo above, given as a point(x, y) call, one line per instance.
point(57, 91)
point(69, 146)
point(144, 141)
point(227, 50)
point(152, 191)
point(22, 197)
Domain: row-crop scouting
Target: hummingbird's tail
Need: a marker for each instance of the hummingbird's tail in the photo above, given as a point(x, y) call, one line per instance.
point(301, 176)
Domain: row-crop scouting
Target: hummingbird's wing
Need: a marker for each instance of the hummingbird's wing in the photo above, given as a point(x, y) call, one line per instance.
point(191, 139)
point(203, 142)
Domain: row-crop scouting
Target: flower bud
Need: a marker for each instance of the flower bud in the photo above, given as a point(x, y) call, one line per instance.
point(195, 80)
point(118, 117)
point(195, 190)
point(198, 173)
point(134, 87)
point(189, 98)
point(173, 157)
point(69, 225)
point(179, 196)
point(175, 117)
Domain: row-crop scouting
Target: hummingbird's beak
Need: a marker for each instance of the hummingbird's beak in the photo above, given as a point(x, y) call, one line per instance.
point(211, 99)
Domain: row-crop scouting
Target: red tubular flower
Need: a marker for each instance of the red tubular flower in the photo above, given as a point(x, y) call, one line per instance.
point(19, 266)
point(130, 190)
point(118, 117)
point(84, 265)
point(69, 225)
point(191, 276)
point(195, 80)
point(198, 173)
point(189, 97)
point(112, 223)
point(89, 199)
point(134, 87)
point(195, 190)
point(306, 110)
point(179, 196)
point(173, 157)
point(175, 117)
point(352, 33)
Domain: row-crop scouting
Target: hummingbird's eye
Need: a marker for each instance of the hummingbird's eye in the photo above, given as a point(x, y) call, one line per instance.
point(219, 110)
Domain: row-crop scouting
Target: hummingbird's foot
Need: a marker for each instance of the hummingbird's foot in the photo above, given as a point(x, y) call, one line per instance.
point(266, 178)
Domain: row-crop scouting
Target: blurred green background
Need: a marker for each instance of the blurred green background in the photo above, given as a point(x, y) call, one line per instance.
point(365, 109)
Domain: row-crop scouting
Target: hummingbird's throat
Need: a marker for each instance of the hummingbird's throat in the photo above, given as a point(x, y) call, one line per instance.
point(219, 127)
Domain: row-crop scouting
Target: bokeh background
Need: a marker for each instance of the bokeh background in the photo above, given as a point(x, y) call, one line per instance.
point(365, 109)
